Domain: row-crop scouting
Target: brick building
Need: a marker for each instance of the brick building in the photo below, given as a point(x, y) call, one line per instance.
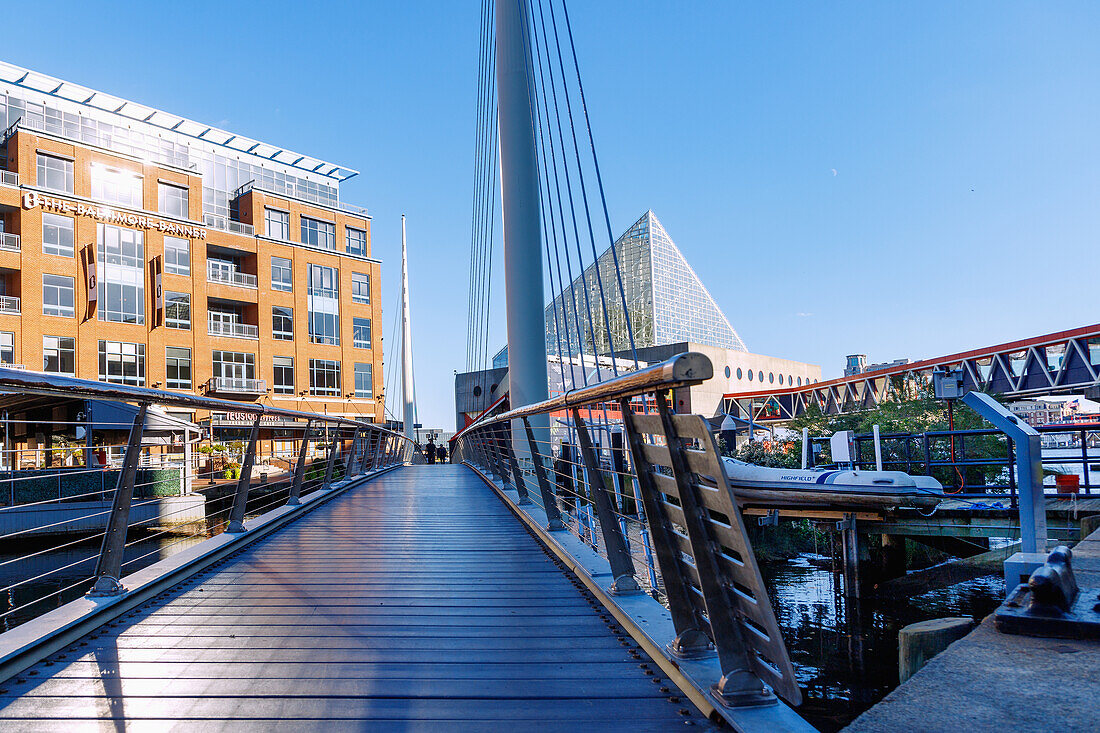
point(143, 248)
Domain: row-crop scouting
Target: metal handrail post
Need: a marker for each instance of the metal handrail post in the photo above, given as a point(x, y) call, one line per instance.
point(622, 565)
point(331, 458)
point(240, 498)
point(300, 469)
point(108, 570)
point(517, 472)
point(353, 457)
point(549, 503)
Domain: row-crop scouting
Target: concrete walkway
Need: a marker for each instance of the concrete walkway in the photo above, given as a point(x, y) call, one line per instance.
point(989, 681)
point(416, 601)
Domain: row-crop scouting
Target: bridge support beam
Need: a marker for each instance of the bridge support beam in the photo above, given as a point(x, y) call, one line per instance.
point(108, 569)
point(333, 449)
point(240, 498)
point(299, 469)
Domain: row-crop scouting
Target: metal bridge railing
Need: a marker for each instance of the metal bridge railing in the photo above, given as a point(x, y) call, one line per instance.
point(613, 465)
point(98, 480)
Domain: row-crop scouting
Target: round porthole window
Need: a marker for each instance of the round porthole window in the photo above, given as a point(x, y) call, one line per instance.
point(760, 375)
point(727, 372)
point(750, 376)
point(771, 377)
point(493, 389)
point(738, 372)
point(780, 380)
point(477, 391)
point(800, 381)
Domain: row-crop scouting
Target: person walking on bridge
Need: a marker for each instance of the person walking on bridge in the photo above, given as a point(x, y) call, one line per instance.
point(429, 451)
point(441, 453)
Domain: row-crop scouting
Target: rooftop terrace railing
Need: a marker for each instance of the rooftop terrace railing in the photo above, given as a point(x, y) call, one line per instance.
point(98, 480)
point(613, 466)
point(230, 277)
point(297, 193)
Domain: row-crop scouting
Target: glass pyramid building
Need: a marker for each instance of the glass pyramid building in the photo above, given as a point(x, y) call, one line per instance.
point(667, 302)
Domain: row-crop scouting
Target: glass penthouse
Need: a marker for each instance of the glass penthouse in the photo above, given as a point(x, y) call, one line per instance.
point(143, 248)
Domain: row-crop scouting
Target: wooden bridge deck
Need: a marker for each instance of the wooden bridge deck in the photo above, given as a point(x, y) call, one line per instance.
point(414, 601)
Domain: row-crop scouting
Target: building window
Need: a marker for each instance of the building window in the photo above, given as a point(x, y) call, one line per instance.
point(116, 186)
point(122, 363)
point(277, 224)
point(324, 377)
point(55, 174)
point(360, 287)
point(282, 323)
point(323, 298)
point(750, 375)
point(59, 355)
point(121, 274)
point(760, 375)
point(360, 328)
point(7, 347)
point(57, 235)
point(771, 377)
point(58, 296)
point(282, 276)
point(356, 241)
point(177, 256)
point(318, 233)
point(727, 372)
point(172, 200)
point(739, 373)
point(177, 310)
point(178, 367)
point(234, 365)
point(284, 375)
point(364, 386)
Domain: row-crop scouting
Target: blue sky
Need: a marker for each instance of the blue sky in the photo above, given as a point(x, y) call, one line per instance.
point(963, 210)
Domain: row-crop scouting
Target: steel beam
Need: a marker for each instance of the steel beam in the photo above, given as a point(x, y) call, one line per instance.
point(108, 571)
point(240, 498)
point(549, 503)
point(299, 469)
point(618, 556)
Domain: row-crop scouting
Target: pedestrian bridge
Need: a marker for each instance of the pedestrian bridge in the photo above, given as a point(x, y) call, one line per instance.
point(404, 596)
point(412, 600)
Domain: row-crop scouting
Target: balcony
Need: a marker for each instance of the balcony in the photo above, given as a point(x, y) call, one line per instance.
point(9, 178)
point(233, 330)
point(216, 274)
point(9, 304)
point(9, 242)
point(228, 225)
point(234, 386)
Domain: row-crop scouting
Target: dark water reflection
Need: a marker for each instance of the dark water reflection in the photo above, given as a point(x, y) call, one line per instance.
point(846, 656)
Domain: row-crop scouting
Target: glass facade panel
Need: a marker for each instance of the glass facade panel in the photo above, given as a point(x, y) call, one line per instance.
point(172, 200)
point(122, 363)
point(234, 365)
point(55, 174)
point(324, 305)
point(318, 233)
point(284, 375)
point(177, 256)
point(58, 296)
point(177, 310)
point(178, 367)
point(59, 355)
point(324, 377)
point(282, 323)
point(364, 385)
point(356, 241)
point(7, 347)
point(361, 333)
point(360, 287)
point(666, 300)
point(57, 235)
point(116, 186)
point(277, 224)
point(121, 274)
point(282, 275)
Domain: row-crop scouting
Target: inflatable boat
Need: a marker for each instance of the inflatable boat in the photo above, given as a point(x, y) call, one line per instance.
point(792, 485)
